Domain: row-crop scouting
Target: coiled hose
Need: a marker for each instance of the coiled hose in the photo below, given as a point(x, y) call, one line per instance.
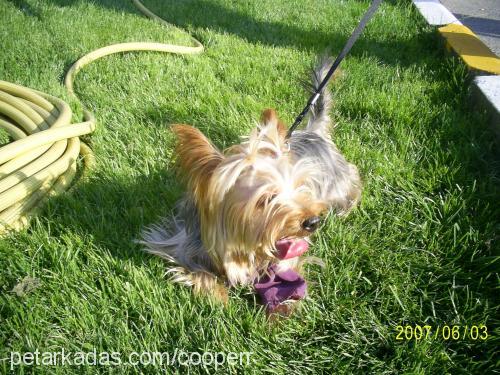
point(41, 161)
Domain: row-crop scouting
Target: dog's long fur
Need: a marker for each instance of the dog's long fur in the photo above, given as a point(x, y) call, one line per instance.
point(241, 201)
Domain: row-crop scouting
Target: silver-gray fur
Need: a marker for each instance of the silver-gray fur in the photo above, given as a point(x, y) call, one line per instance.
point(340, 182)
point(319, 118)
point(178, 239)
point(315, 143)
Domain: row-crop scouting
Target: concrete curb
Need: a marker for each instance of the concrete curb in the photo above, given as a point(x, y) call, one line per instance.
point(435, 13)
point(480, 60)
point(486, 91)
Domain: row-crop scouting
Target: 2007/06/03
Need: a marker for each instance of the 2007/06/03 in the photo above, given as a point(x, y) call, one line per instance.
point(447, 332)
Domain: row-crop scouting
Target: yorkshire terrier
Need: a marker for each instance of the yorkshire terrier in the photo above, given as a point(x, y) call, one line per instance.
point(253, 207)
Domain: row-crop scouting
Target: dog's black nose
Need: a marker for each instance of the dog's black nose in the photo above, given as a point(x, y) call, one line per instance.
point(311, 224)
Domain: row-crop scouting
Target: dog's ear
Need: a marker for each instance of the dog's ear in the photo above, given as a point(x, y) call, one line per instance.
point(269, 117)
point(197, 158)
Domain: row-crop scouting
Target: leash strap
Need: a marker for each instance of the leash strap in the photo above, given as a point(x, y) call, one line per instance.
point(350, 42)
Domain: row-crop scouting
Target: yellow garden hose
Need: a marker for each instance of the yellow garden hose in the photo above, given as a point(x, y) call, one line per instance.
point(41, 160)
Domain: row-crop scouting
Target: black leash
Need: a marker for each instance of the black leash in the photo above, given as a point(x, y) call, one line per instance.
point(355, 35)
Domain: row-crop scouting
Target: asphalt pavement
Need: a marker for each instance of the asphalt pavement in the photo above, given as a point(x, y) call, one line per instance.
point(481, 16)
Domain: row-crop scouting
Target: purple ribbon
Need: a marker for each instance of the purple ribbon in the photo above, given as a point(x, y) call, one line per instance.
point(275, 287)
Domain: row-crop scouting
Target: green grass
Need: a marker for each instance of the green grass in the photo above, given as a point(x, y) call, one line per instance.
point(421, 249)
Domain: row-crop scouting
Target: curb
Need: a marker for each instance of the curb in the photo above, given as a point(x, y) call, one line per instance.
point(482, 63)
point(474, 53)
point(486, 91)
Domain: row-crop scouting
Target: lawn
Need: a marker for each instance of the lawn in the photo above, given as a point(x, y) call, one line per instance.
point(422, 248)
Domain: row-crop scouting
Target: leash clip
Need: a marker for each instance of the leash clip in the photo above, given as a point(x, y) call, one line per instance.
point(287, 147)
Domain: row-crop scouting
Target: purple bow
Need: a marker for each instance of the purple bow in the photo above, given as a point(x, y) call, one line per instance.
point(275, 287)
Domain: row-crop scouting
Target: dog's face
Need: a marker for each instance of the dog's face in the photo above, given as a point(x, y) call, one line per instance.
point(255, 199)
point(262, 195)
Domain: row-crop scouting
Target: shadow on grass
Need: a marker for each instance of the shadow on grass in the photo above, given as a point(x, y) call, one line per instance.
point(26, 8)
point(205, 14)
point(220, 135)
point(112, 210)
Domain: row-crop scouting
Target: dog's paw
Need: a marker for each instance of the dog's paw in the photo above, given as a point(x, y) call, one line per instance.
point(220, 294)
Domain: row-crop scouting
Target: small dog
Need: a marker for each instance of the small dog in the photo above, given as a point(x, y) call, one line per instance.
point(256, 200)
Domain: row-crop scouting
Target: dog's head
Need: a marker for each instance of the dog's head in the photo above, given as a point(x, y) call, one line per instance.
point(256, 200)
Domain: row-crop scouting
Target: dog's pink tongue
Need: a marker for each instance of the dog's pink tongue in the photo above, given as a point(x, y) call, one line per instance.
point(291, 248)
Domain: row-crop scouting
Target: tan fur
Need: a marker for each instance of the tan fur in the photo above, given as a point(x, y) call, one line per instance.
point(270, 115)
point(196, 156)
point(207, 284)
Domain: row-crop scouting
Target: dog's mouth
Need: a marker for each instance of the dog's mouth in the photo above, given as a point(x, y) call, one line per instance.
point(291, 247)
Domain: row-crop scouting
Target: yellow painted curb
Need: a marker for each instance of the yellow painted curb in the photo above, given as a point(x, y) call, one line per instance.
point(470, 48)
